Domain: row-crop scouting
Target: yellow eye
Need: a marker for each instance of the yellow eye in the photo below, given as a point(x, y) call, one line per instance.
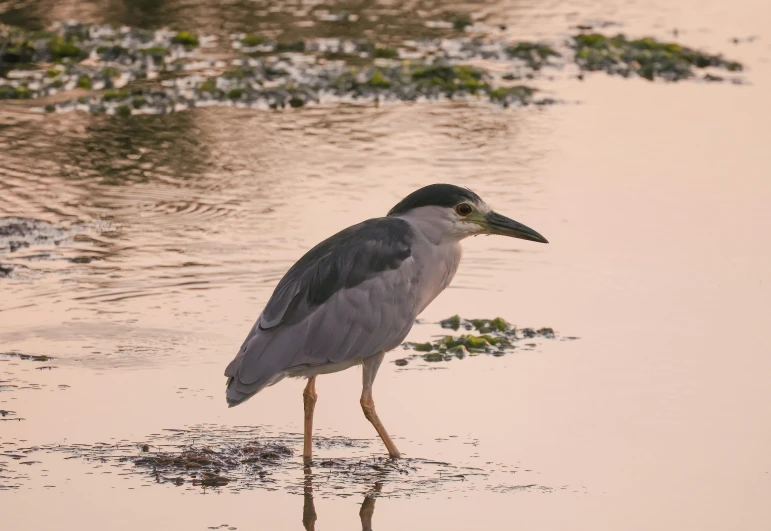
point(464, 209)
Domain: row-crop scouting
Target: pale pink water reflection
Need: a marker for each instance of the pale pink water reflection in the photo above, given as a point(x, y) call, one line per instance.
point(654, 196)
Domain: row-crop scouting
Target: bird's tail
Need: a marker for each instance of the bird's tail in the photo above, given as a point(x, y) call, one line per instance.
point(256, 367)
point(234, 396)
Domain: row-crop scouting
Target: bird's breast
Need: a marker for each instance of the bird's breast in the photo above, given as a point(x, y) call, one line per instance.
point(438, 264)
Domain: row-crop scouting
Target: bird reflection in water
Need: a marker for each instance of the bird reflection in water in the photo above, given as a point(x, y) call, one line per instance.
point(309, 509)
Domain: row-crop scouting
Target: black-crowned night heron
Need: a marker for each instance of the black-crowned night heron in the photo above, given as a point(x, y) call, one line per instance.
point(356, 295)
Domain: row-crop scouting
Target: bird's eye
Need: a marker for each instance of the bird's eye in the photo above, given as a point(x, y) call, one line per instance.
point(464, 209)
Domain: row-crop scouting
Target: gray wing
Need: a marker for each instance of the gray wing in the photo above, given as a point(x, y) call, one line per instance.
point(349, 297)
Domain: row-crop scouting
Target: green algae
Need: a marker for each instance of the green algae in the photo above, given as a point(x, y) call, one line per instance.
point(7, 92)
point(236, 93)
point(645, 57)
point(109, 72)
point(236, 73)
point(63, 48)
point(385, 53)
point(461, 21)
point(347, 58)
point(546, 332)
point(156, 52)
point(451, 322)
point(296, 102)
point(290, 46)
point(433, 75)
point(421, 347)
point(113, 94)
point(16, 48)
point(449, 79)
point(488, 325)
point(475, 342)
point(459, 352)
point(185, 38)
point(84, 82)
point(498, 341)
point(378, 81)
point(542, 332)
point(111, 53)
point(469, 341)
point(496, 337)
point(124, 111)
point(536, 55)
point(252, 40)
point(210, 85)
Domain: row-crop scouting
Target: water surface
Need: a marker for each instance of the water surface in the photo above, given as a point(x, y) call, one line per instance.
point(174, 230)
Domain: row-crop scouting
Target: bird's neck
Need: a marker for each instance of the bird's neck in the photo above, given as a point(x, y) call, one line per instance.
point(438, 252)
point(431, 223)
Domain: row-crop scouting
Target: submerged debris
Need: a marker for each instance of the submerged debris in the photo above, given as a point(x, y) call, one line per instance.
point(29, 357)
point(647, 57)
point(21, 233)
point(7, 415)
point(210, 467)
point(241, 458)
point(494, 336)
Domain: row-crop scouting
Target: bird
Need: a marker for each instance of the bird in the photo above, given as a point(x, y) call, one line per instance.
point(356, 295)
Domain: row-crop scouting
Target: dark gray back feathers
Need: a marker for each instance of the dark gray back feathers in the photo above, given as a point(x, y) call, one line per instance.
point(344, 260)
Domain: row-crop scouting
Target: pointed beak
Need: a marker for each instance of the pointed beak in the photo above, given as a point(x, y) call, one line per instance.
point(508, 227)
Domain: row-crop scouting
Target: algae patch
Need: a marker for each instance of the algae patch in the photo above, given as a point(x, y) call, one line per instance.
point(536, 55)
point(448, 79)
point(495, 337)
point(139, 71)
point(645, 57)
point(185, 38)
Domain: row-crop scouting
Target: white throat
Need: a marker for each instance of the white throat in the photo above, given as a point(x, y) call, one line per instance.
point(434, 223)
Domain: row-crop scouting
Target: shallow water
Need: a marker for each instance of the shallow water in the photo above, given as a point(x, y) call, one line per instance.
point(173, 230)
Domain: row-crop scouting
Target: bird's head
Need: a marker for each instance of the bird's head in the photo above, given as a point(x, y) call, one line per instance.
point(459, 212)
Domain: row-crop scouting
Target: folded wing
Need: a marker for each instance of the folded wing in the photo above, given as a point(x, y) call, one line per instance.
point(350, 297)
